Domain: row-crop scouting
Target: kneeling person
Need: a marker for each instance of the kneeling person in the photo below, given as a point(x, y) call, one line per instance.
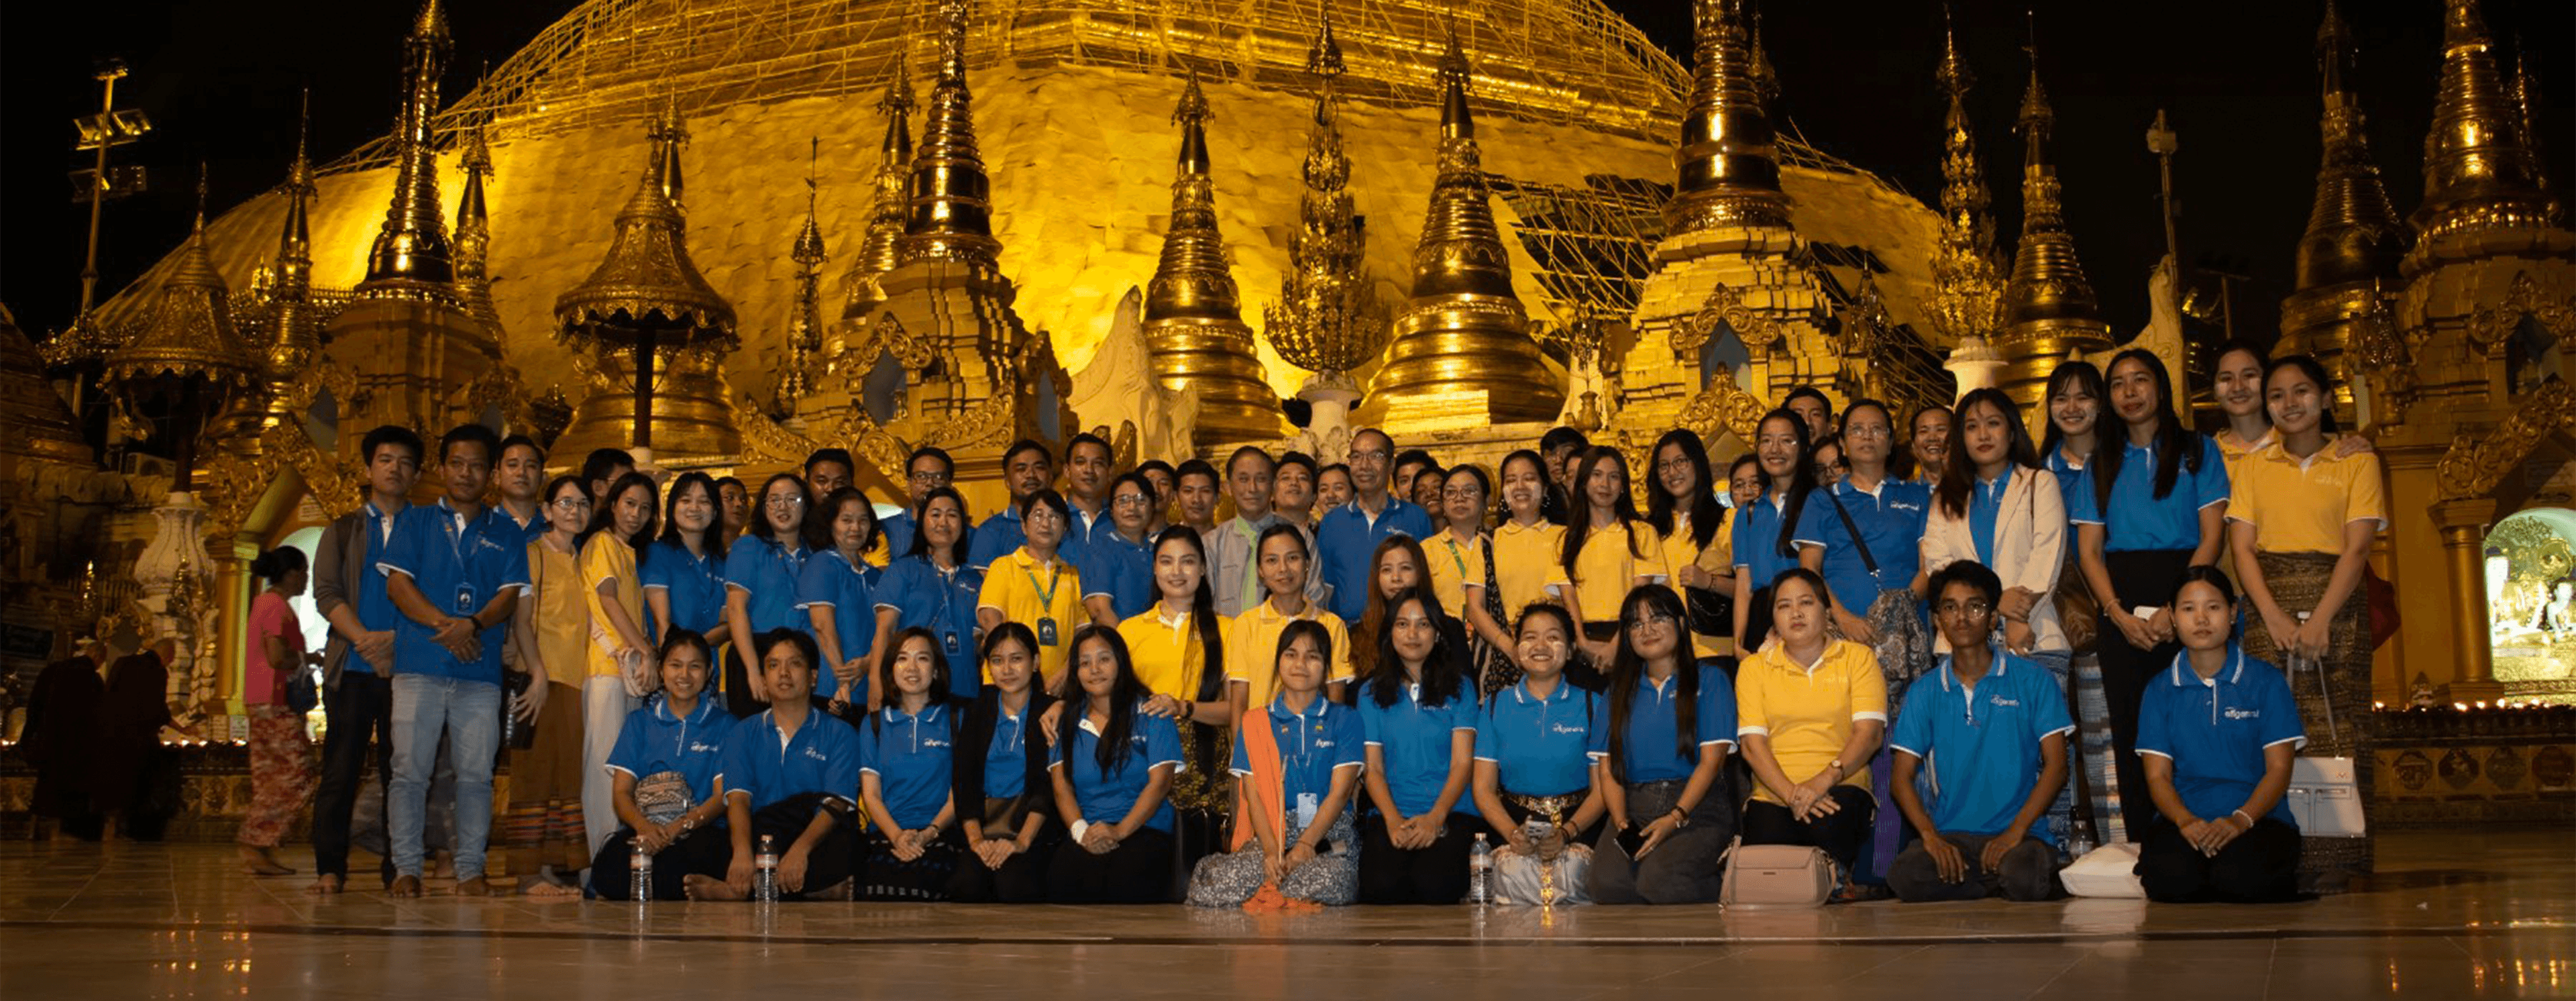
point(1991, 729)
point(665, 772)
point(790, 775)
point(905, 755)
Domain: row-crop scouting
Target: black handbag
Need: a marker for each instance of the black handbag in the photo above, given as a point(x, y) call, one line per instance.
point(515, 734)
point(1712, 613)
point(303, 690)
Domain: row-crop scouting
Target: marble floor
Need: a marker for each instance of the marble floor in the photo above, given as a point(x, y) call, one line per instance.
point(2468, 914)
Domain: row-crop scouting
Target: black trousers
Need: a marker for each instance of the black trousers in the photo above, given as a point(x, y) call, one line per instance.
point(1138, 871)
point(1840, 833)
point(737, 685)
point(1433, 874)
point(359, 711)
point(2028, 871)
point(2140, 578)
point(834, 860)
point(1022, 879)
point(882, 876)
point(2260, 866)
point(706, 851)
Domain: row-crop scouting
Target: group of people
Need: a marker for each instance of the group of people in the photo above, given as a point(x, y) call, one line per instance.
point(1369, 672)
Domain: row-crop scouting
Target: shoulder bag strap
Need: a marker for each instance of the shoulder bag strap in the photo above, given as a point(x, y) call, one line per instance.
point(1854, 529)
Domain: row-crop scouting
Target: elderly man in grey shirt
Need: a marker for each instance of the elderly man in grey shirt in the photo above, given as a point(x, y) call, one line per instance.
point(1232, 568)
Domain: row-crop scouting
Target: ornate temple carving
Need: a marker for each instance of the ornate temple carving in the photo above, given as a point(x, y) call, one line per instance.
point(1327, 320)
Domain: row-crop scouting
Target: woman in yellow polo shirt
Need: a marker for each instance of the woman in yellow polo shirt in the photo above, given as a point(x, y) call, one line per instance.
point(1608, 551)
point(1682, 506)
point(1457, 552)
point(1252, 639)
point(1520, 569)
point(1172, 644)
point(2301, 516)
point(1810, 710)
point(619, 646)
point(1035, 587)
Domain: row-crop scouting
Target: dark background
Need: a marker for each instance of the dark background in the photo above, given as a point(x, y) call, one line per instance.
point(2237, 78)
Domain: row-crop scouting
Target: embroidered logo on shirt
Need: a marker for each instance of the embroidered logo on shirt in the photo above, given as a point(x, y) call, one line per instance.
point(699, 748)
point(2243, 713)
point(1562, 728)
point(2002, 701)
point(933, 742)
point(815, 754)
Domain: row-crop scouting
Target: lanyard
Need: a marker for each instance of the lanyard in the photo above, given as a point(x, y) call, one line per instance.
point(1452, 542)
point(1055, 575)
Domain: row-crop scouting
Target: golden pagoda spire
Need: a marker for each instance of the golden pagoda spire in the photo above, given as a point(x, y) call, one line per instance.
point(2048, 306)
point(1967, 277)
point(473, 242)
point(2353, 234)
point(951, 198)
point(2478, 173)
point(2525, 116)
point(876, 254)
point(1464, 335)
point(190, 349)
point(1193, 327)
point(412, 247)
point(1728, 173)
point(1327, 320)
point(295, 338)
point(805, 326)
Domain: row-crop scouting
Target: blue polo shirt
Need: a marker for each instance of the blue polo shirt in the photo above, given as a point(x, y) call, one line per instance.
point(1413, 742)
point(1006, 756)
point(942, 601)
point(1891, 524)
point(2070, 475)
point(1106, 796)
point(376, 609)
point(996, 537)
point(1757, 536)
point(2147, 523)
point(1348, 537)
point(1980, 746)
point(1651, 749)
point(692, 583)
point(829, 580)
point(2215, 731)
point(767, 571)
point(653, 741)
point(823, 757)
point(1985, 505)
point(898, 529)
point(459, 568)
point(911, 754)
point(1121, 569)
point(1543, 747)
point(1314, 744)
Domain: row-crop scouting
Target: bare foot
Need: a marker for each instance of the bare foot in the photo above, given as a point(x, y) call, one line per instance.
point(477, 887)
point(327, 886)
point(404, 886)
point(257, 861)
point(545, 889)
point(709, 888)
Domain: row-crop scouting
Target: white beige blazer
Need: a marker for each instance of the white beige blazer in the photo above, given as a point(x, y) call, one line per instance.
point(2030, 549)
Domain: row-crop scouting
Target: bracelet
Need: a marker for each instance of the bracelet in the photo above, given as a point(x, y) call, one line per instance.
point(2240, 812)
point(1681, 818)
point(1080, 828)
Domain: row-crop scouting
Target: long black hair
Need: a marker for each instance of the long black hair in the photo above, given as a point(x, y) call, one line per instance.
point(2316, 373)
point(757, 524)
point(1626, 667)
point(921, 522)
point(1962, 474)
point(1203, 620)
point(938, 692)
point(1705, 514)
point(272, 565)
point(714, 542)
point(2173, 447)
point(1578, 501)
point(604, 519)
point(1124, 693)
point(1802, 476)
point(1443, 677)
point(2072, 375)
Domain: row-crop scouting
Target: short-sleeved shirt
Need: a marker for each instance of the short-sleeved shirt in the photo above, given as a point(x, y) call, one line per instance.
point(270, 615)
point(1080, 531)
point(376, 609)
point(1891, 523)
point(1608, 565)
point(654, 741)
point(911, 755)
point(604, 560)
point(766, 571)
point(1234, 570)
point(1027, 591)
point(822, 757)
point(459, 564)
point(1455, 566)
point(899, 529)
point(1414, 742)
point(2070, 476)
point(1252, 647)
point(1106, 796)
point(1006, 756)
point(692, 583)
point(830, 580)
point(1985, 508)
point(553, 604)
point(2302, 505)
point(1348, 540)
point(1757, 536)
point(942, 601)
point(1980, 745)
point(2215, 730)
point(1527, 564)
point(996, 537)
point(1808, 712)
point(1543, 746)
point(1651, 749)
point(1682, 549)
point(1120, 569)
point(2145, 522)
point(1168, 655)
point(1314, 744)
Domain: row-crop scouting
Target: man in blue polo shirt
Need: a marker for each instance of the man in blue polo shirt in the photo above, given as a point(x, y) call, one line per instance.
point(453, 568)
point(1350, 533)
point(791, 776)
point(1990, 730)
point(357, 693)
point(928, 469)
point(1027, 467)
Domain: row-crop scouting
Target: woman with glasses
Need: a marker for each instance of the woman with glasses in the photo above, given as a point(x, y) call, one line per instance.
point(1672, 722)
point(761, 569)
point(1682, 506)
point(541, 832)
point(1035, 587)
point(837, 591)
point(1118, 565)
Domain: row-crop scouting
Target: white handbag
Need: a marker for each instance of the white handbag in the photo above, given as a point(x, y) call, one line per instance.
point(2108, 871)
point(2323, 797)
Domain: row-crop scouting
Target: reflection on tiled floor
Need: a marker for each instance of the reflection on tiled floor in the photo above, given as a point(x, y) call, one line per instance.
point(2453, 914)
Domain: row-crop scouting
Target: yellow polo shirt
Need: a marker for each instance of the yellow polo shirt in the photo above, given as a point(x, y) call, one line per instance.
point(1252, 647)
point(604, 558)
point(2233, 450)
point(1808, 713)
point(1608, 566)
point(2302, 506)
point(1019, 586)
point(1526, 564)
point(1678, 552)
point(1167, 653)
point(1454, 566)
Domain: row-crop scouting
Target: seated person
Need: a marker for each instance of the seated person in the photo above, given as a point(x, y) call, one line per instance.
point(905, 752)
point(1990, 728)
point(2218, 731)
point(1111, 769)
point(1535, 746)
point(1001, 774)
point(1296, 763)
point(664, 778)
point(1418, 716)
point(1809, 712)
point(791, 778)
point(1671, 722)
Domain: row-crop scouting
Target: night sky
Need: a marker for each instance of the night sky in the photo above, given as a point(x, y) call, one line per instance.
point(2237, 79)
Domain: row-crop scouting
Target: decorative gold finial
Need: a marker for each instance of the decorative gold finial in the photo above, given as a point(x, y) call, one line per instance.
point(1967, 277)
point(1728, 171)
point(2524, 114)
point(2048, 306)
point(891, 202)
point(295, 240)
point(805, 326)
point(1327, 319)
point(2353, 234)
point(951, 197)
point(2478, 174)
point(1193, 323)
point(412, 248)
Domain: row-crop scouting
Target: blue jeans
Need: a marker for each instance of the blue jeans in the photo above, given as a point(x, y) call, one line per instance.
point(469, 713)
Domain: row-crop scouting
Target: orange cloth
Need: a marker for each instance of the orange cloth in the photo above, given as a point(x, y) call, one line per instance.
point(1261, 749)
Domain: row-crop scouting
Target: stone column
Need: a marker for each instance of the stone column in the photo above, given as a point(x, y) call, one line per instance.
point(2463, 525)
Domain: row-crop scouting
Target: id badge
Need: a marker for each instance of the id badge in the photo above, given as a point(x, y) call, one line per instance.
point(464, 599)
point(1046, 631)
point(1305, 810)
point(951, 640)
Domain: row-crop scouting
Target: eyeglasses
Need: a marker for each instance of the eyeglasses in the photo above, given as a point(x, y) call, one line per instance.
point(1128, 500)
point(572, 503)
point(935, 479)
point(1372, 455)
point(1468, 492)
point(785, 500)
point(1651, 619)
point(1672, 465)
point(1972, 609)
point(1866, 432)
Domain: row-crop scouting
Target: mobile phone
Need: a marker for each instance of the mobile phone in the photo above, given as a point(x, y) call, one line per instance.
point(1632, 840)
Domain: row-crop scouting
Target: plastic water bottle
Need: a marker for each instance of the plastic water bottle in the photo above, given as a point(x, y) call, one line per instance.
point(639, 875)
point(1480, 871)
point(764, 878)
